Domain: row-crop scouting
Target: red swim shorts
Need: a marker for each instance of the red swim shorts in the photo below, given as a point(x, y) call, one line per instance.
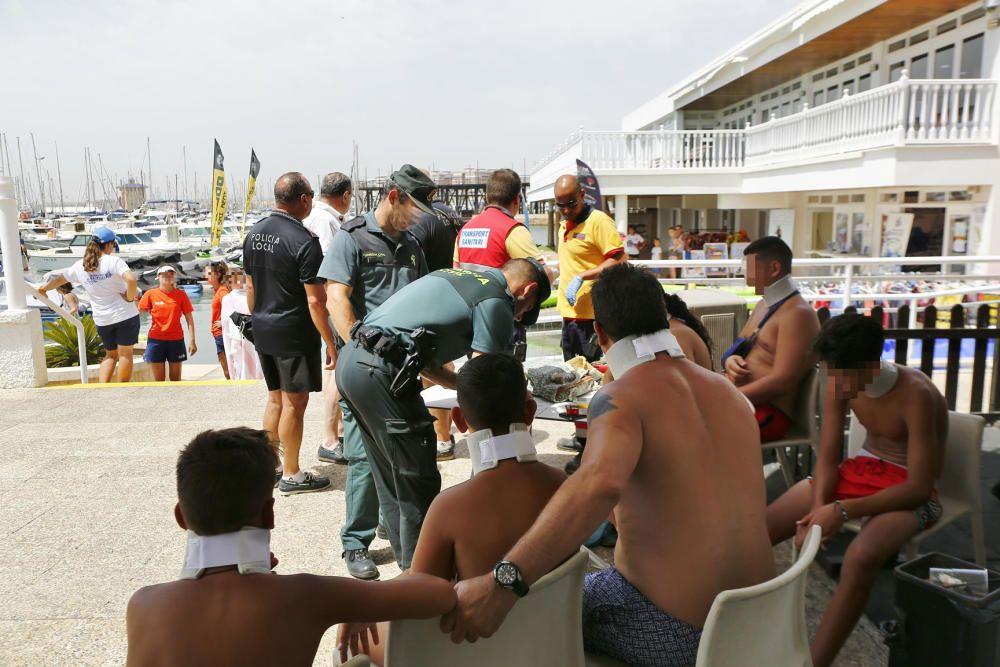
point(773, 423)
point(863, 476)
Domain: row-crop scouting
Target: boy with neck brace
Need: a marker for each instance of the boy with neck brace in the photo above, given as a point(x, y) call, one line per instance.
point(228, 608)
point(891, 480)
point(471, 525)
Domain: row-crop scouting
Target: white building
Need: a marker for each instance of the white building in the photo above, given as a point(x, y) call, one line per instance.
point(836, 122)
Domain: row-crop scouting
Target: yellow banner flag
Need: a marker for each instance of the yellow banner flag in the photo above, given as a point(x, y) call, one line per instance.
point(251, 188)
point(219, 196)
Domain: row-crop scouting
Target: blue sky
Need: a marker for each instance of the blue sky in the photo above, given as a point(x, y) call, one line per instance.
point(432, 82)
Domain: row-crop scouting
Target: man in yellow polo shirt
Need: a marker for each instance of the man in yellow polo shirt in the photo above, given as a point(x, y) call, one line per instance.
point(589, 242)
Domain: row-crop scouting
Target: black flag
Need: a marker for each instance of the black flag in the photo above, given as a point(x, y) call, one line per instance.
point(591, 188)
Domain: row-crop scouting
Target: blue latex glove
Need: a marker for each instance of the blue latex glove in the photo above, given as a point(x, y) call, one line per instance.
point(571, 290)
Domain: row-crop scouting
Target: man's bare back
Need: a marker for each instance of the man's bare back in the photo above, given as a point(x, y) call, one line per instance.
point(691, 518)
point(227, 618)
point(470, 526)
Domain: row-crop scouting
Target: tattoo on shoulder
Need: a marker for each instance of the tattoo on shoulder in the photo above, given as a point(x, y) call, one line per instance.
point(602, 404)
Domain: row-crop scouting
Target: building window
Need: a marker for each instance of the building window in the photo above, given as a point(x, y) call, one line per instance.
point(864, 83)
point(896, 71)
point(944, 62)
point(972, 58)
point(918, 67)
point(849, 87)
point(896, 46)
point(867, 58)
point(977, 13)
point(786, 109)
point(831, 72)
point(921, 37)
point(765, 115)
point(947, 26)
point(848, 66)
point(818, 98)
point(797, 105)
point(832, 93)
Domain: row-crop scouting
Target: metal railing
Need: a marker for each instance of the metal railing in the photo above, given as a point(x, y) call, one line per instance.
point(81, 335)
point(905, 112)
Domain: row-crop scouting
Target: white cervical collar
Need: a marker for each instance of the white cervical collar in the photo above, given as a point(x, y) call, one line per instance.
point(780, 289)
point(248, 548)
point(486, 450)
point(631, 351)
point(882, 384)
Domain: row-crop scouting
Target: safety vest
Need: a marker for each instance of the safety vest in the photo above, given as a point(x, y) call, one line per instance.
point(483, 240)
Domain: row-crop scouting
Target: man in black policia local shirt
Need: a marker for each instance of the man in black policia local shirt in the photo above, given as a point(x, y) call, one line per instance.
point(288, 302)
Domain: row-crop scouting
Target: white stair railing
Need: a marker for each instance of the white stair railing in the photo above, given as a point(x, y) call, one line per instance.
point(81, 335)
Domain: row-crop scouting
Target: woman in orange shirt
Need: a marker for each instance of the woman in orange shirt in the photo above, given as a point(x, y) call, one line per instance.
point(217, 275)
point(165, 342)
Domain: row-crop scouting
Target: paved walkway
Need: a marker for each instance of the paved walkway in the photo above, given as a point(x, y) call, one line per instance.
point(87, 491)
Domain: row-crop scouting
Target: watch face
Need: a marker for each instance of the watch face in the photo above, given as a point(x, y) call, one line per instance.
point(506, 574)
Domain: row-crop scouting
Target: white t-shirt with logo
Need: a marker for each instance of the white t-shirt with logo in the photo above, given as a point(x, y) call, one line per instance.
point(632, 243)
point(106, 288)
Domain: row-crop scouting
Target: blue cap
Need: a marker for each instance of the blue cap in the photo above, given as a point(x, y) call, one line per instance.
point(103, 234)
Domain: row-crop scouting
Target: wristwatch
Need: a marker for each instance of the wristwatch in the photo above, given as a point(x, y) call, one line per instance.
point(507, 575)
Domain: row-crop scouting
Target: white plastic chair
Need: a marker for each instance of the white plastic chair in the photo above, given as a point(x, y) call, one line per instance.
point(958, 484)
point(545, 628)
point(805, 426)
point(763, 624)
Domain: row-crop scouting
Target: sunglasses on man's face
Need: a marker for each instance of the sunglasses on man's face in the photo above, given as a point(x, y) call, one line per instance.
point(566, 204)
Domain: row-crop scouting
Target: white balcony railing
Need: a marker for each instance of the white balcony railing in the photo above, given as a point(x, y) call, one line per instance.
point(905, 112)
point(909, 111)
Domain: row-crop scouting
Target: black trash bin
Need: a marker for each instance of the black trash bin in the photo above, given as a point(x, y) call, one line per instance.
point(941, 626)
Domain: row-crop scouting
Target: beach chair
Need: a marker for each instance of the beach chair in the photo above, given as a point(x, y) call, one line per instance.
point(545, 628)
point(763, 624)
point(958, 485)
point(805, 426)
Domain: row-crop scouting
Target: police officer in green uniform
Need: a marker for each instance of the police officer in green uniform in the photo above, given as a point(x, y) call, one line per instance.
point(372, 257)
point(441, 317)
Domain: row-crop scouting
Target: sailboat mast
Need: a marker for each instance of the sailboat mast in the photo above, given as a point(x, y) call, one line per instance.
point(62, 202)
point(38, 175)
point(149, 163)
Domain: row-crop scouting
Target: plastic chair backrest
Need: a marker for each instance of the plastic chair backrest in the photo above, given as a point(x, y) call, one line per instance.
point(959, 478)
point(763, 624)
point(545, 628)
point(808, 409)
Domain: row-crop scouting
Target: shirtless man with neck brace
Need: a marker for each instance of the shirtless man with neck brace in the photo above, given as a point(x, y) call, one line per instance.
point(674, 452)
point(229, 608)
point(890, 483)
point(772, 355)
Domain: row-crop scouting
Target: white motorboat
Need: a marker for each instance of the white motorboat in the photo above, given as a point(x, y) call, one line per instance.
point(132, 243)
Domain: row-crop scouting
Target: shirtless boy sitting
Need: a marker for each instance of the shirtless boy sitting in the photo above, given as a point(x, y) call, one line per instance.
point(674, 451)
point(890, 482)
point(772, 355)
point(471, 525)
point(228, 608)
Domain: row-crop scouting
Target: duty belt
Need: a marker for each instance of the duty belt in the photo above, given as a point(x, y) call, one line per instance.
point(397, 349)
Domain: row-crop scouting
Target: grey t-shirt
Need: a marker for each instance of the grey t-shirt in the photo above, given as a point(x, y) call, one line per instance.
point(464, 311)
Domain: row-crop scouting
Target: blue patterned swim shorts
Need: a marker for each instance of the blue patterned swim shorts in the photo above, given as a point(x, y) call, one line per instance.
point(620, 622)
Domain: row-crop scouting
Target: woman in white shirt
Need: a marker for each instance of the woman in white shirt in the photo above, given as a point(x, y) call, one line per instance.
point(113, 291)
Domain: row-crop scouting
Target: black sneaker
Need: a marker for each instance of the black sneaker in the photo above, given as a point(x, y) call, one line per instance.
point(569, 444)
point(311, 482)
point(335, 455)
point(446, 452)
point(360, 565)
